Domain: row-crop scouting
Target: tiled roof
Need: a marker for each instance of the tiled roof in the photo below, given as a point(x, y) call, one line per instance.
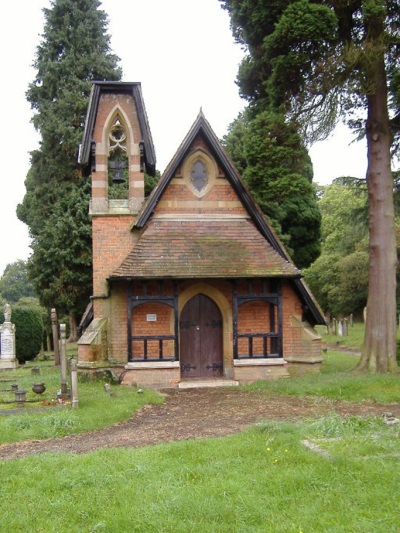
point(202, 249)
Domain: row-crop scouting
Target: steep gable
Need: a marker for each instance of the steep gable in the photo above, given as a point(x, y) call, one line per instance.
point(201, 221)
point(86, 157)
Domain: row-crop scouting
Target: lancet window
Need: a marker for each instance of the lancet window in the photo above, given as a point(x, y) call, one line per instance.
point(118, 162)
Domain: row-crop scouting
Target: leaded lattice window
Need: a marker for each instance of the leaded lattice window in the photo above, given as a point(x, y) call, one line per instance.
point(118, 164)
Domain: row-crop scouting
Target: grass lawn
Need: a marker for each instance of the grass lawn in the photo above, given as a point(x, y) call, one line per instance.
point(337, 381)
point(263, 480)
point(331, 474)
point(354, 340)
point(96, 408)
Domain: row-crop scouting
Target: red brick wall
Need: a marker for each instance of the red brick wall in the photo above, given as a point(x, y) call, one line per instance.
point(293, 345)
point(163, 326)
point(107, 104)
point(112, 242)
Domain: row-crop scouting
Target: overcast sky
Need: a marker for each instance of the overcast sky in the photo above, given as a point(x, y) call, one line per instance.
point(182, 52)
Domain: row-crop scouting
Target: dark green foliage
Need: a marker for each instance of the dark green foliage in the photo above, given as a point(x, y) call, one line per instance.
point(74, 51)
point(234, 141)
point(68, 232)
point(14, 283)
point(150, 182)
point(275, 164)
point(28, 332)
point(313, 58)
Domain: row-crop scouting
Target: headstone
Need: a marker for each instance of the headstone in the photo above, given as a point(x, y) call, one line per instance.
point(340, 328)
point(345, 327)
point(54, 329)
point(63, 357)
point(334, 326)
point(8, 358)
point(74, 383)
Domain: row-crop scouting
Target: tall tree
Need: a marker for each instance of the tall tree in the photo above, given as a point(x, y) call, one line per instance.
point(272, 158)
point(319, 60)
point(74, 51)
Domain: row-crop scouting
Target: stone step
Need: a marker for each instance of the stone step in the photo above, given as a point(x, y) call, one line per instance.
point(207, 383)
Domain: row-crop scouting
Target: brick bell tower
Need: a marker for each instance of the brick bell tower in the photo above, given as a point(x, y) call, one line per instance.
point(116, 151)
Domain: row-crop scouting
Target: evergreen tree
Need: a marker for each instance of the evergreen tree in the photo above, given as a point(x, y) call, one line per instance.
point(324, 59)
point(74, 51)
point(270, 154)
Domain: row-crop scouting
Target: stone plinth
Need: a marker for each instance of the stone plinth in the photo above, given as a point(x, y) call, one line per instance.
point(8, 359)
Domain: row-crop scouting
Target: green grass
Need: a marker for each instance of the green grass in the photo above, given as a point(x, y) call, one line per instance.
point(263, 480)
point(336, 381)
point(96, 408)
point(354, 340)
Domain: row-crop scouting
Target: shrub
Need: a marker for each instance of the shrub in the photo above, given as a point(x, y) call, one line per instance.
point(28, 332)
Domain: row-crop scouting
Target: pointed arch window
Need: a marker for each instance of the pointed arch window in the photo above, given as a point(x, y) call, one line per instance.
point(118, 162)
point(199, 175)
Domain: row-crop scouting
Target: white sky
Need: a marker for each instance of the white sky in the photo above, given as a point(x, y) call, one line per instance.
point(182, 52)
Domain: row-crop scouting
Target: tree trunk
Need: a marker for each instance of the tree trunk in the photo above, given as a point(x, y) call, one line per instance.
point(73, 328)
point(379, 350)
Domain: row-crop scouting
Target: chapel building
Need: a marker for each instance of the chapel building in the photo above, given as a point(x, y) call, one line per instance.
point(190, 285)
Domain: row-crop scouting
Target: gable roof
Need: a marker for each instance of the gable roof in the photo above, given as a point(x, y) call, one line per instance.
point(201, 126)
point(238, 248)
point(117, 87)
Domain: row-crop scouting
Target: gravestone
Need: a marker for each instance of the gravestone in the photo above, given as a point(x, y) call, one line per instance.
point(8, 359)
point(340, 328)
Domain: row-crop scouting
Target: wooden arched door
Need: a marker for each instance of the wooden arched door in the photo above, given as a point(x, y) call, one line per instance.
point(201, 339)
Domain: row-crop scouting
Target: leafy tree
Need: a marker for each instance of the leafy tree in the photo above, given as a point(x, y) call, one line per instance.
point(339, 277)
point(269, 153)
point(14, 284)
point(74, 51)
point(321, 60)
point(344, 208)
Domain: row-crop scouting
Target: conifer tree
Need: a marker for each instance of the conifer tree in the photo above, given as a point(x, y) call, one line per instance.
point(74, 51)
point(270, 155)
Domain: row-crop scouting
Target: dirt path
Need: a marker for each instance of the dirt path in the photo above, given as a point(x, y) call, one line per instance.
point(192, 414)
